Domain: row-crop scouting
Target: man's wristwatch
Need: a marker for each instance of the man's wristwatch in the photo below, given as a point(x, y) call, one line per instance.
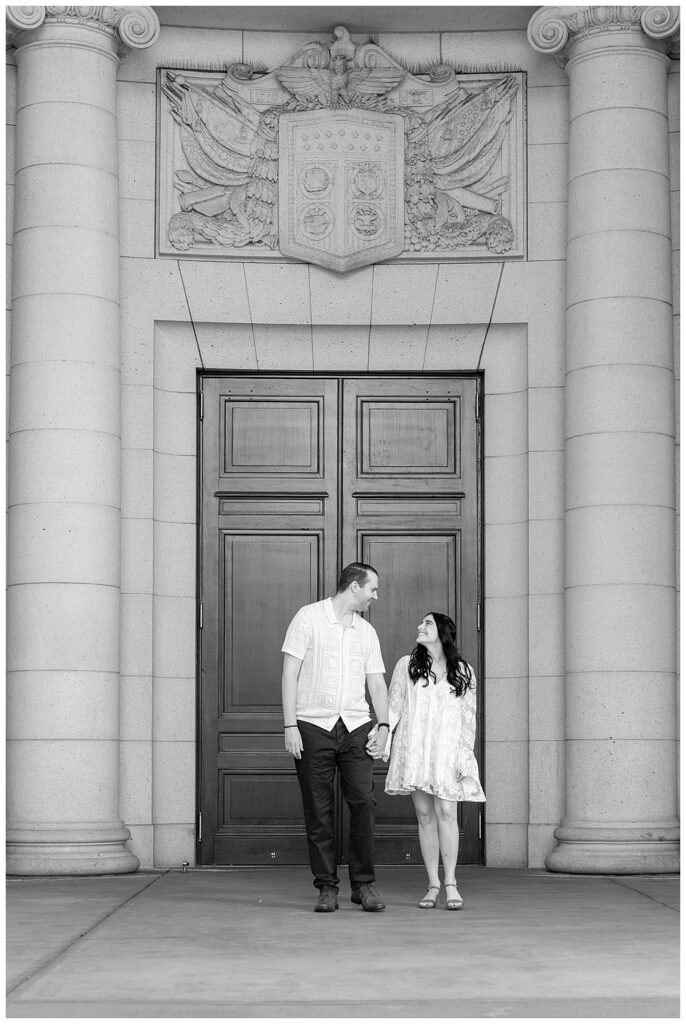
point(382, 725)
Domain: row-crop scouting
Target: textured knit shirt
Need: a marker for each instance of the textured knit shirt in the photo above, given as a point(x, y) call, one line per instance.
point(335, 661)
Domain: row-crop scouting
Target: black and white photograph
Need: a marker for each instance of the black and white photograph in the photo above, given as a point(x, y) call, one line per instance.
point(342, 545)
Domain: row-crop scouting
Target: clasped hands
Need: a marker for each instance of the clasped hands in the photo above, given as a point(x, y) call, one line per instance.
point(376, 744)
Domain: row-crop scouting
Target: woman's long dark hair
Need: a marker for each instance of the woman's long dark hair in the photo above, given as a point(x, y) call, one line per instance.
point(459, 675)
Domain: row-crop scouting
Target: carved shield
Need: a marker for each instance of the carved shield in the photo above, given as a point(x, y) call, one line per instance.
point(341, 187)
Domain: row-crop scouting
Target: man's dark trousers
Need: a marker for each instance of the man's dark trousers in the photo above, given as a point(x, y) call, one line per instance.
point(323, 752)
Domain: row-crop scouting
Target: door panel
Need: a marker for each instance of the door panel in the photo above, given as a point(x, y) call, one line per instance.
point(421, 570)
point(269, 520)
point(280, 517)
point(409, 498)
point(252, 615)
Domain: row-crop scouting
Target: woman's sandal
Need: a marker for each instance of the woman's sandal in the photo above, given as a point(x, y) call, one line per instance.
point(453, 904)
point(427, 903)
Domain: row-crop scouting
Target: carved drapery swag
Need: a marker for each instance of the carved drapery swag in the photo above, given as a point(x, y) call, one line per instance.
point(462, 179)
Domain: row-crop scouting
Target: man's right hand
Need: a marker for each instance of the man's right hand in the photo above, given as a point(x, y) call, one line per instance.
point(294, 743)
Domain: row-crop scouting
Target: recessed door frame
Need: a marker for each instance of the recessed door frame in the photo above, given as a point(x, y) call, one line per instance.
point(340, 375)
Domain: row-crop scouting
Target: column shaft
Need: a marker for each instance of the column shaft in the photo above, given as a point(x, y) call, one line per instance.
point(620, 586)
point(64, 462)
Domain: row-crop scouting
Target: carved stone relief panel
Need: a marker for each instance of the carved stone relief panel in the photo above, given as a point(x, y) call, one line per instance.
point(341, 158)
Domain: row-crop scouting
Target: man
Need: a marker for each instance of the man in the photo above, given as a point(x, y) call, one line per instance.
point(329, 651)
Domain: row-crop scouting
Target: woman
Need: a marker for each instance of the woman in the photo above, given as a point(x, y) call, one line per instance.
point(432, 713)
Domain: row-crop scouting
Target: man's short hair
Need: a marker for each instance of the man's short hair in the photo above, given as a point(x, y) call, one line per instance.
point(356, 572)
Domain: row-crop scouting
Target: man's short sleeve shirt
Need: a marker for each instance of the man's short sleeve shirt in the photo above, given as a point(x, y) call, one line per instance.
point(335, 662)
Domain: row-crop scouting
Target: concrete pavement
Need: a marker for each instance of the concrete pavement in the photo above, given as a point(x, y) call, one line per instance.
point(245, 943)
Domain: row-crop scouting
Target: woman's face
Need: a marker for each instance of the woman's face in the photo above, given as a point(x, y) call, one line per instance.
point(427, 631)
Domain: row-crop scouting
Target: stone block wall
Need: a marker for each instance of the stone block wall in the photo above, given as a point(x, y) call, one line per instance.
point(290, 316)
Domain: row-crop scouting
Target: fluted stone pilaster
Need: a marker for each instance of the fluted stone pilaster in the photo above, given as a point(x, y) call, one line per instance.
point(620, 597)
point(64, 449)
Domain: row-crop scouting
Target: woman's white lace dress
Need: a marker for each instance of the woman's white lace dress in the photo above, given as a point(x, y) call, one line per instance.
point(431, 738)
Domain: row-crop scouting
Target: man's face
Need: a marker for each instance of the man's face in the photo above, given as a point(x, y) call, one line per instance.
point(366, 592)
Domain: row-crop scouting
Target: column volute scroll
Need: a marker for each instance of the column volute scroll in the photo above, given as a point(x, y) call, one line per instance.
point(554, 30)
point(130, 27)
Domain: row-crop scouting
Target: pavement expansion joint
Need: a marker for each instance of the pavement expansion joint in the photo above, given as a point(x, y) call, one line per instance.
point(639, 892)
point(53, 958)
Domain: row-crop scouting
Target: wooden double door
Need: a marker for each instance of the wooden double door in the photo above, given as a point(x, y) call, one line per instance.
point(298, 477)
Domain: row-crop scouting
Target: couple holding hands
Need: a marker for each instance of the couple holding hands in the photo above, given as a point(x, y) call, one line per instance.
point(426, 726)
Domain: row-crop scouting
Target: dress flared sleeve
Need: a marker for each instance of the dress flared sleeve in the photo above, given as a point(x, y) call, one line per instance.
point(397, 695)
point(468, 769)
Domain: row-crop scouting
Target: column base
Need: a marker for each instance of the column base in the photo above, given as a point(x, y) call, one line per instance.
point(63, 851)
point(620, 851)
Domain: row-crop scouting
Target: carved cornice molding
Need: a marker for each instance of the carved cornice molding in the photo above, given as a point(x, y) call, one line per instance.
point(553, 29)
point(135, 27)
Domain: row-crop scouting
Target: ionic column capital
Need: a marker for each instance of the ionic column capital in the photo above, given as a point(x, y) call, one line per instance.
point(134, 27)
point(553, 29)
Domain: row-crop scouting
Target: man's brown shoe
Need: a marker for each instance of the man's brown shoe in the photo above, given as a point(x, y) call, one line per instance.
point(327, 901)
point(368, 898)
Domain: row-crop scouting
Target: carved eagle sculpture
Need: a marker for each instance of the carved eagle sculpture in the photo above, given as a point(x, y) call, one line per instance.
point(340, 75)
point(229, 195)
point(339, 85)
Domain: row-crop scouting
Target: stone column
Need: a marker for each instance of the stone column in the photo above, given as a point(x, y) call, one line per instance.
point(620, 596)
point(64, 446)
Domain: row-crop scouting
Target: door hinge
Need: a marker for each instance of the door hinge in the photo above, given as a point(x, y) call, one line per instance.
point(200, 827)
point(201, 404)
point(480, 816)
point(477, 406)
point(200, 615)
point(478, 617)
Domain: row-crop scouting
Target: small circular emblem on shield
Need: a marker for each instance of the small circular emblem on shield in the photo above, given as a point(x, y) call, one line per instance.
point(316, 221)
point(367, 181)
point(367, 220)
point(316, 181)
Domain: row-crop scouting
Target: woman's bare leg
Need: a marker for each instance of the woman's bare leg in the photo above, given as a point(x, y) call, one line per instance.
point(448, 835)
point(428, 835)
